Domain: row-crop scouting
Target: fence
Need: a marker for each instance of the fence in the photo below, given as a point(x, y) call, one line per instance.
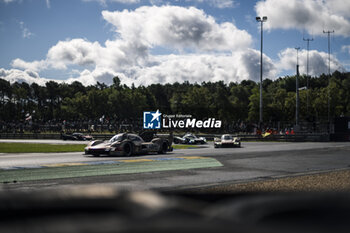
point(246, 137)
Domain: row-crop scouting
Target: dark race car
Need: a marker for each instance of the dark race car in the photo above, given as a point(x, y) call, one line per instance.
point(77, 137)
point(190, 139)
point(227, 140)
point(127, 144)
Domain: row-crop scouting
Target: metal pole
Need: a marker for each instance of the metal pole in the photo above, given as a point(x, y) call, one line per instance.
point(297, 90)
point(261, 20)
point(261, 72)
point(307, 75)
point(329, 74)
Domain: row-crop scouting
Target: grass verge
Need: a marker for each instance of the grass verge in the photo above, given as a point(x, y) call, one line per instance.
point(59, 171)
point(39, 148)
point(181, 146)
point(47, 148)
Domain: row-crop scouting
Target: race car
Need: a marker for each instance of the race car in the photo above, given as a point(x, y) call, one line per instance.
point(128, 144)
point(179, 140)
point(227, 140)
point(190, 139)
point(77, 137)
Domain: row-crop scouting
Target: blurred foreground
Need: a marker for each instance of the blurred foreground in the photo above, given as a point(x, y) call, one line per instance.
point(105, 209)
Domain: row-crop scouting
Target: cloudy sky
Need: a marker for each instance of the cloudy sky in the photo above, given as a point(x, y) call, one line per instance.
point(160, 41)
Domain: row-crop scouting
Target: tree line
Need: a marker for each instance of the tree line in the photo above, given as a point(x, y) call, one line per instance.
point(231, 102)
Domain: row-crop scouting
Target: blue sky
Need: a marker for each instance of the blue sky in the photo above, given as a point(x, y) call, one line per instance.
point(155, 41)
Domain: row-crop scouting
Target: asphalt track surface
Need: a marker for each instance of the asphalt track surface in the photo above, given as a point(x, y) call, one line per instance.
point(254, 161)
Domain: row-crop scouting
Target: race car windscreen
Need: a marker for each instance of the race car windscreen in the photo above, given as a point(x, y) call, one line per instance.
point(226, 137)
point(116, 138)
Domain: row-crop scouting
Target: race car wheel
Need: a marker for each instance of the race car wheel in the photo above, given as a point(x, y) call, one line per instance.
point(163, 149)
point(127, 149)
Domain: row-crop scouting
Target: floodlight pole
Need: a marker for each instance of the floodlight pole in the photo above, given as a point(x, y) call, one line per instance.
point(297, 90)
point(307, 74)
point(329, 75)
point(261, 20)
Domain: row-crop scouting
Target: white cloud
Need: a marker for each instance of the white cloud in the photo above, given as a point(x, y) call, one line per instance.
point(116, 55)
point(20, 1)
point(239, 66)
point(198, 68)
point(28, 76)
point(101, 75)
point(34, 66)
point(311, 15)
point(318, 62)
point(177, 27)
point(214, 3)
point(64, 53)
point(140, 30)
point(223, 3)
point(339, 7)
point(25, 31)
point(346, 48)
point(73, 52)
point(217, 3)
point(208, 51)
point(104, 2)
point(250, 60)
point(9, 1)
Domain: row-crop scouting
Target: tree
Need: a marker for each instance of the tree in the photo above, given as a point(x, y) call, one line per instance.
point(116, 83)
point(232, 103)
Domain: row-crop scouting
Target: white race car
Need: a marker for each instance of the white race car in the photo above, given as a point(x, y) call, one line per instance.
point(190, 139)
point(227, 140)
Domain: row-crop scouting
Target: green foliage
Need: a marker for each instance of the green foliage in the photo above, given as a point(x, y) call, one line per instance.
point(39, 148)
point(233, 102)
point(181, 146)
